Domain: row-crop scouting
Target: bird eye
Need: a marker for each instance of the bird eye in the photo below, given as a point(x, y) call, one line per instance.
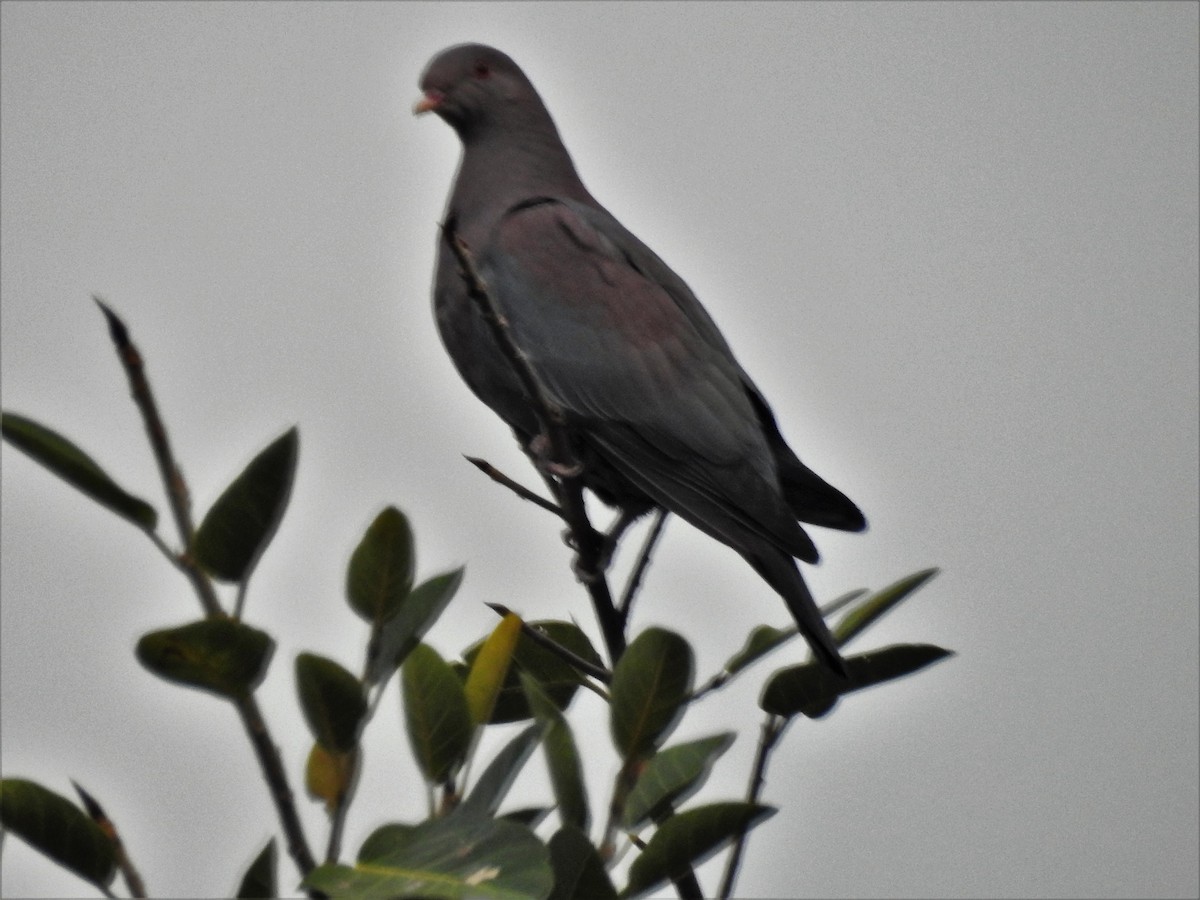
point(482, 69)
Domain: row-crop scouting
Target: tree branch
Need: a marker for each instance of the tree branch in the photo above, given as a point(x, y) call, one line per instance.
point(772, 729)
point(516, 487)
point(643, 562)
point(177, 495)
point(572, 659)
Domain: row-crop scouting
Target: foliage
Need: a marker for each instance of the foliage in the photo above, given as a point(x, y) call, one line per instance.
point(519, 672)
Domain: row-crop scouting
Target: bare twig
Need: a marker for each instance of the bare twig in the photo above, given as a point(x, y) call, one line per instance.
point(574, 660)
point(516, 487)
point(133, 881)
point(643, 561)
point(177, 491)
point(177, 495)
point(772, 729)
point(565, 482)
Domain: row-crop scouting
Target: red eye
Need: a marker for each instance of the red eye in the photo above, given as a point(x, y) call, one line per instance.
point(482, 69)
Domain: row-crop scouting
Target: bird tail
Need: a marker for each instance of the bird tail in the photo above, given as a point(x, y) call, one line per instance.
point(780, 571)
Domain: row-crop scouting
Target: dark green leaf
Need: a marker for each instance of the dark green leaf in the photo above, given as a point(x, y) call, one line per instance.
point(762, 640)
point(383, 839)
point(242, 522)
point(259, 880)
point(75, 467)
point(225, 657)
point(529, 816)
point(671, 777)
point(381, 568)
point(688, 838)
point(435, 712)
point(650, 687)
point(404, 630)
point(493, 785)
point(562, 758)
point(812, 690)
point(579, 873)
point(56, 827)
point(333, 701)
point(453, 857)
point(873, 608)
point(556, 676)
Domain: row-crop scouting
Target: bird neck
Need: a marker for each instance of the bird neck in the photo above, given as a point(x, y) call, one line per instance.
point(501, 169)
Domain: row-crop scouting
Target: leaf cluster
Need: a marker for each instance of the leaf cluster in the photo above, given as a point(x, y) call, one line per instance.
point(469, 843)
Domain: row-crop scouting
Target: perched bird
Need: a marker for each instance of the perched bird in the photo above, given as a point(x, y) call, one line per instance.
point(658, 410)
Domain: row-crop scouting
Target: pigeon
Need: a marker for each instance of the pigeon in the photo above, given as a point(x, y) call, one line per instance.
point(658, 411)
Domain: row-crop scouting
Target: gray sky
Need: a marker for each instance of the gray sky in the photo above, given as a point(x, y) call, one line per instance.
point(956, 245)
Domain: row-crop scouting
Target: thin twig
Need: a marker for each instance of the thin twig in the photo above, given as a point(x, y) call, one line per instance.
point(772, 729)
point(177, 495)
point(133, 881)
point(643, 561)
point(566, 483)
point(281, 792)
point(516, 487)
point(574, 660)
point(176, 487)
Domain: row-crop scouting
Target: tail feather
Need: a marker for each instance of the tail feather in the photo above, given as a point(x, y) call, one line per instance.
point(780, 571)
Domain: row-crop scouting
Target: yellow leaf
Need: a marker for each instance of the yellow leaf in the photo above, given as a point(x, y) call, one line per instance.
point(328, 775)
point(491, 665)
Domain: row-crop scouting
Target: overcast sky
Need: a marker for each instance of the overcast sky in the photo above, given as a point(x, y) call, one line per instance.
point(956, 245)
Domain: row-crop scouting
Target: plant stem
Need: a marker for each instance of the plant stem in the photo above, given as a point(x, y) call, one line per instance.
point(772, 729)
point(178, 498)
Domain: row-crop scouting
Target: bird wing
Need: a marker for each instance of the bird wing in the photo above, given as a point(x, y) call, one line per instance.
point(627, 351)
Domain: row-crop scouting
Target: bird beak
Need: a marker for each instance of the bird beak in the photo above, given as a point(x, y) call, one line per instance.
point(430, 102)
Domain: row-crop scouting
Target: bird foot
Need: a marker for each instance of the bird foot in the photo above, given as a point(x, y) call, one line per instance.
point(601, 557)
point(542, 452)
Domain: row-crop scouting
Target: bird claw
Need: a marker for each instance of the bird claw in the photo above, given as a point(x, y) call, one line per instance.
point(542, 452)
point(602, 558)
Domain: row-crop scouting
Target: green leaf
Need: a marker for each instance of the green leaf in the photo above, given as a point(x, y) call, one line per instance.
point(242, 522)
point(383, 839)
point(812, 690)
point(493, 785)
point(404, 630)
point(562, 758)
point(555, 675)
point(828, 609)
point(435, 712)
point(688, 838)
point(761, 641)
point(75, 467)
point(491, 664)
point(671, 777)
point(259, 880)
point(649, 692)
point(223, 656)
point(333, 701)
point(453, 857)
point(529, 816)
point(381, 568)
point(56, 827)
point(873, 608)
point(579, 873)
